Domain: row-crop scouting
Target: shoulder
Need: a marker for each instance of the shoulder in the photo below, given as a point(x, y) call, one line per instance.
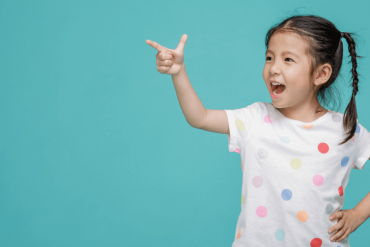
point(255, 110)
point(249, 112)
point(260, 105)
point(264, 108)
point(336, 116)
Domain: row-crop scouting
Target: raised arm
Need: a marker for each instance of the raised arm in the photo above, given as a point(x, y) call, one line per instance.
point(195, 113)
point(216, 121)
point(172, 62)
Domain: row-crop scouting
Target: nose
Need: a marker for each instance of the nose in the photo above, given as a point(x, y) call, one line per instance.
point(274, 68)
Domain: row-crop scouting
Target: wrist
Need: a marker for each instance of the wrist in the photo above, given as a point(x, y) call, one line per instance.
point(180, 71)
point(362, 216)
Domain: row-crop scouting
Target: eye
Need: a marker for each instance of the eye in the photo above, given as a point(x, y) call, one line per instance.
point(286, 58)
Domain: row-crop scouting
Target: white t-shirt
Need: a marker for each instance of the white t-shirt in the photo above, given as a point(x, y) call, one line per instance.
point(294, 175)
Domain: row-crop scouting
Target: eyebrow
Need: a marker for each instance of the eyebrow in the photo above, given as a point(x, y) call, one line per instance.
point(284, 52)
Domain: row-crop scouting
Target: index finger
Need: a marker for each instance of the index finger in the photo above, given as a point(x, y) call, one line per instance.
point(155, 45)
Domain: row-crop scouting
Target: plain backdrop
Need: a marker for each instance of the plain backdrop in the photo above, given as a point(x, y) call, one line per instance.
point(94, 147)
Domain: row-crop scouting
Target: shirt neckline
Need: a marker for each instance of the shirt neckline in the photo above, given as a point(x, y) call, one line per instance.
point(300, 122)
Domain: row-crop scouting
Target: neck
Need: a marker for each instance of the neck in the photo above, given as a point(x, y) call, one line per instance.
point(305, 113)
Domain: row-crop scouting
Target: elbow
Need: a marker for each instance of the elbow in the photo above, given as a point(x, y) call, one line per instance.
point(197, 125)
point(194, 125)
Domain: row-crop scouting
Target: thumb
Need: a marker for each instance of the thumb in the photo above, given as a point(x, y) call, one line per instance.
point(182, 42)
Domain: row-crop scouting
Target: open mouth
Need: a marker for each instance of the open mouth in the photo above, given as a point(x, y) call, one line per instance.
point(277, 89)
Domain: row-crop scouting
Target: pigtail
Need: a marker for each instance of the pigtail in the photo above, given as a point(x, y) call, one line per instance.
point(325, 46)
point(350, 114)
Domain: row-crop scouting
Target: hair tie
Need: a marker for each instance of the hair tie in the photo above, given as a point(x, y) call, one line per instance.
point(341, 34)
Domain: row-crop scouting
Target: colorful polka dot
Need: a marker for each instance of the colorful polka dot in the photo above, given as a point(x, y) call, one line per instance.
point(344, 161)
point(302, 216)
point(284, 139)
point(239, 124)
point(257, 181)
point(267, 119)
point(286, 194)
point(357, 128)
point(323, 148)
point(263, 153)
point(280, 235)
point(340, 190)
point(336, 118)
point(316, 242)
point(329, 208)
point(307, 126)
point(295, 163)
point(261, 211)
point(318, 180)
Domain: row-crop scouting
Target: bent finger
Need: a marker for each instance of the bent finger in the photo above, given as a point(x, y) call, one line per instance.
point(165, 63)
point(336, 215)
point(338, 234)
point(346, 234)
point(338, 226)
point(163, 69)
point(163, 56)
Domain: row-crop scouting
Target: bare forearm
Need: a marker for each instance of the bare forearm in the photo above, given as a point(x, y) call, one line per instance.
point(363, 208)
point(190, 103)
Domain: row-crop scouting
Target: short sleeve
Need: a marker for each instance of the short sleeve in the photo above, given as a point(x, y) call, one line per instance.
point(240, 126)
point(362, 140)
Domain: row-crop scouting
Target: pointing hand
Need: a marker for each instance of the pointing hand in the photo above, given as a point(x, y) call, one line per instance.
point(169, 61)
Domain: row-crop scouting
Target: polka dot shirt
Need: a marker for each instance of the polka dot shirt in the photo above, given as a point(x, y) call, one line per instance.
point(294, 175)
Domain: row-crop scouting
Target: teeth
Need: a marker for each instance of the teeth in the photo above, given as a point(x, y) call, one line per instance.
point(274, 92)
point(275, 83)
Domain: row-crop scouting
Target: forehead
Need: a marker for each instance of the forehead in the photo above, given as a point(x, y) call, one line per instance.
point(287, 42)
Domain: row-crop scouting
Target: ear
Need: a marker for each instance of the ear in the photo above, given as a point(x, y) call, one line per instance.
point(323, 74)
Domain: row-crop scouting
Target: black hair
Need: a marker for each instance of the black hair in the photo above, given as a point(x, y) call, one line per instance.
point(325, 46)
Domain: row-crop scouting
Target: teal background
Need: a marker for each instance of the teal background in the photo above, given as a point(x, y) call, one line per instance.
point(94, 147)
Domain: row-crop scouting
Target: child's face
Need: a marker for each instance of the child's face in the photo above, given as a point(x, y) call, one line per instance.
point(292, 70)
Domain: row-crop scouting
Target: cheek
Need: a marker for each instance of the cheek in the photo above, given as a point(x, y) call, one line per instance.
point(299, 89)
point(297, 79)
point(265, 73)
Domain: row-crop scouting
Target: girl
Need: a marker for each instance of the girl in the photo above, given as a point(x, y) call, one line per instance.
point(297, 155)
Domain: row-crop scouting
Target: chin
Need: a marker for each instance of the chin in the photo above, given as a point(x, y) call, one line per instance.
point(277, 104)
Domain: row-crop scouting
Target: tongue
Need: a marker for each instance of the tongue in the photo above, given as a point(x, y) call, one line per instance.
point(280, 89)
